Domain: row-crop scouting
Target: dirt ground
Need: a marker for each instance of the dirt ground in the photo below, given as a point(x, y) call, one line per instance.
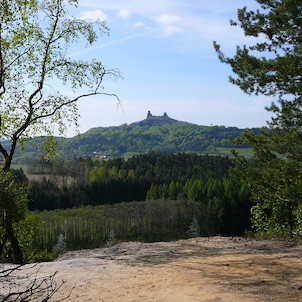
point(199, 269)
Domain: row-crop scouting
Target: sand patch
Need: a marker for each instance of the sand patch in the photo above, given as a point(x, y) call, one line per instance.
point(199, 269)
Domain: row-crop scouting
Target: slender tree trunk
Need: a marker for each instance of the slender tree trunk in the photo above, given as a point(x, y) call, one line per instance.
point(7, 164)
point(291, 222)
point(2, 244)
point(16, 249)
point(8, 224)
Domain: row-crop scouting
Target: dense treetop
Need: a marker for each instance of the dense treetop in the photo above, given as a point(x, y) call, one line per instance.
point(160, 134)
point(155, 133)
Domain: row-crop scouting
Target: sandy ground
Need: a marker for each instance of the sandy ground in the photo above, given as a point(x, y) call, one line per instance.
point(200, 269)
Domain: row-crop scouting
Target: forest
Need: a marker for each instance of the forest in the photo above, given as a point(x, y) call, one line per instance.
point(149, 197)
point(175, 137)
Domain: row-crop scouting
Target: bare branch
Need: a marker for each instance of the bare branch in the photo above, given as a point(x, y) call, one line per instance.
point(42, 116)
point(23, 283)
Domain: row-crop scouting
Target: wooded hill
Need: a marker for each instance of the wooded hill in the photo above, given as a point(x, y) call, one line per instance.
point(155, 133)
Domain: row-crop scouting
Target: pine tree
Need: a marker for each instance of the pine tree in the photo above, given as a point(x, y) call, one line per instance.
point(273, 67)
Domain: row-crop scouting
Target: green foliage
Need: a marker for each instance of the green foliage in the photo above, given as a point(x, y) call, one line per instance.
point(273, 67)
point(206, 201)
point(35, 37)
point(117, 180)
point(171, 137)
point(227, 200)
point(16, 227)
point(133, 139)
point(202, 179)
point(24, 231)
point(151, 220)
point(276, 186)
point(10, 190)
point(91, 227)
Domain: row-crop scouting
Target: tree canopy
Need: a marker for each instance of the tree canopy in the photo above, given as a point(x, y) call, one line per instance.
point(13, 204)
point(35, 37)
point(273, 67)
point(35, 63)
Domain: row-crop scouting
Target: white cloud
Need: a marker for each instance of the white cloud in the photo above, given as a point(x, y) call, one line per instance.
point(195, 19)
point(112, 42)
point(140, 7)
point(170, 24)
point(94, 15)
point(124, 13)
point(139, 24)
point(169, 30)
point(166, 19)
point(155, 7)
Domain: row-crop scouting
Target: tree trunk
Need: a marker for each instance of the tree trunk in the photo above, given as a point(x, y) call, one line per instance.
point(7, 164)
point(291, 222)
point(2, 244)
point(16, 249)
point(10, 234)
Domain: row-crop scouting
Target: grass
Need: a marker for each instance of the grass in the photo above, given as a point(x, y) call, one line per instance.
point(227, 151)
point(242, 151)
point(129, 154)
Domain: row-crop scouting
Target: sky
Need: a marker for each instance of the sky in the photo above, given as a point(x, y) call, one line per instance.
point(164, 51)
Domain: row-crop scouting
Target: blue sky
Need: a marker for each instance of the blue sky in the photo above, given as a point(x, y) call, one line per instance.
point(164, 50)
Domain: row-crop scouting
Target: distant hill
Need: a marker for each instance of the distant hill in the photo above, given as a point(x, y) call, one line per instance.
point(154, 133)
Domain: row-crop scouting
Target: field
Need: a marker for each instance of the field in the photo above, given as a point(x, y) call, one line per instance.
point(199, 269)
point(241, 151)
